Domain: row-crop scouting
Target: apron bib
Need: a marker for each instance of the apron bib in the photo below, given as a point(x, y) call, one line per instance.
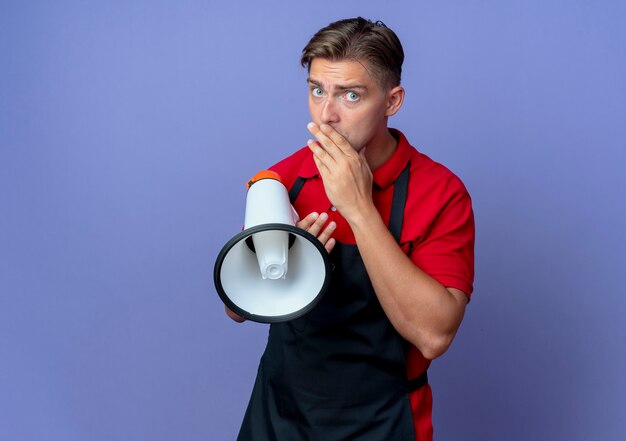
point(337, 373)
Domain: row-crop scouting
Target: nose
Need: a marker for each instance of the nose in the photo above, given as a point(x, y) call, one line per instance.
point(329, 113)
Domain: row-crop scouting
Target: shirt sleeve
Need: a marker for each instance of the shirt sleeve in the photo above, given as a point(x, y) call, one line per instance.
point(288, 168)
point(446, 252)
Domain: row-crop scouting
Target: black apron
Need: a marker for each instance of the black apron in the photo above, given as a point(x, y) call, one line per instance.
point(338, 373)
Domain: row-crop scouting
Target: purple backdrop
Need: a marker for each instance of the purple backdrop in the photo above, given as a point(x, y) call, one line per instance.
point(128, 130)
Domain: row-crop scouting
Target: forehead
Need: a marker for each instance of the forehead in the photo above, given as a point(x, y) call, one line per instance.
point(329, 73)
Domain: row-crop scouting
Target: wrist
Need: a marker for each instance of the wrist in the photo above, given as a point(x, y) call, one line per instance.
point(363, 218)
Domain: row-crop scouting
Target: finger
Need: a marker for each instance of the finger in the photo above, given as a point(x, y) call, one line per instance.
point(330, 244)
point(306, 223)
point(324, 237)
point(337, 139)
point(322, 167)
point(319, 152)
point(325, 141)
point(317, 226)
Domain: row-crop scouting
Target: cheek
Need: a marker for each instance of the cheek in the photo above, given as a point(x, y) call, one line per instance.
point(361, 126)
point(363, 121)
point(314, 110)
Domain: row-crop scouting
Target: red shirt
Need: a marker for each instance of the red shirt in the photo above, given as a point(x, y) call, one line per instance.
point(437, 232)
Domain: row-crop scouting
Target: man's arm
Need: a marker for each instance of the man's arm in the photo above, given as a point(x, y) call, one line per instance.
point(423, 311)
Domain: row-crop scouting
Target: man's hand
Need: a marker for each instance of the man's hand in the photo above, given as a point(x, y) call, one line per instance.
point(233, 316)
point(314, 223)
point(346, 175)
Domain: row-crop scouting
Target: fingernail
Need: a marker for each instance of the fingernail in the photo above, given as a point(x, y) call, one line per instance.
point(310, 125)
point(324, 216)
point(314, 215)
point(332, 225)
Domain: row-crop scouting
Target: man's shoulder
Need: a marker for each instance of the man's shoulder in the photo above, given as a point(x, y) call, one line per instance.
point(432, 174)
point(290, 167)
point(292, 161)
point(425, 171)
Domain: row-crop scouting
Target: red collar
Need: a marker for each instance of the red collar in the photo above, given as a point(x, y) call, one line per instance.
point(384, 176)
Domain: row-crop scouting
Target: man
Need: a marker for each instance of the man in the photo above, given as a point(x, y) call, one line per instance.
point(400, 232)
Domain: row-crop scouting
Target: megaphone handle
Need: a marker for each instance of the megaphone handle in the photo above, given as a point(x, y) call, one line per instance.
point(250, 243)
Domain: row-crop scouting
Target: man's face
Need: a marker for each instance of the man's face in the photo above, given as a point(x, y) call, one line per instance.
point(345, 96)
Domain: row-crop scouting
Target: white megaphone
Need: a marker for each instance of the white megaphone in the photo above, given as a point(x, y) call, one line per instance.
point(272, 271)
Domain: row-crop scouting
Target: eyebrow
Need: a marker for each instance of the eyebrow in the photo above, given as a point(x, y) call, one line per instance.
point(340, 86)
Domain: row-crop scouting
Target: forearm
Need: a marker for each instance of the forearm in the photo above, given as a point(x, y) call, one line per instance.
point(422, 310)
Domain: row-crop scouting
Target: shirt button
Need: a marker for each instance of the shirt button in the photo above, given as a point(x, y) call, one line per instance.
point(333, 208)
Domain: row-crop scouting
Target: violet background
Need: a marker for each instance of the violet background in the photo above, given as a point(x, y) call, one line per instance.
point(129, 128)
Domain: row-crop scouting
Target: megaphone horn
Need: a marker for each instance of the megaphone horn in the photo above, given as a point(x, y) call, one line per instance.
point(272, 271)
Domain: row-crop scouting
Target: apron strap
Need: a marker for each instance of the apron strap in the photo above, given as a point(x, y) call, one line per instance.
point(295, 190)
point(400, 190)
point(417, 382)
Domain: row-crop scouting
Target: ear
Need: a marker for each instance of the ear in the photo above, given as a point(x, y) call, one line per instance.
point(395, 98)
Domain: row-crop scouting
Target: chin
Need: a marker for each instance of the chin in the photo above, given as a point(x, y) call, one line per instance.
point(357, 146)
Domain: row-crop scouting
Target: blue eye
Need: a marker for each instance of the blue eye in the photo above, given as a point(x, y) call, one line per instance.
point(317, 91)
point(352, 96)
